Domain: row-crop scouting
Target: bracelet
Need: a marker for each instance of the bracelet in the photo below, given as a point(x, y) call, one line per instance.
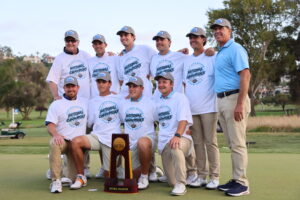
point(177, 135)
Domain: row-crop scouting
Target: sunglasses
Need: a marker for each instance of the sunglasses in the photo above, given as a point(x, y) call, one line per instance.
point(70, 40)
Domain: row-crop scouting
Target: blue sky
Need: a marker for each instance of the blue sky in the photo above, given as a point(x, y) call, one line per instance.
point(36, 25)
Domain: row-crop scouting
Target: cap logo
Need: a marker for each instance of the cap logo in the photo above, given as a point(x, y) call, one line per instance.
point(97, 37)
point(124, 28)
point(132, 79)
point(218, 21)
point(70, 79)
point(194, 30)
point(70, 33)
point(161, 33)
point(102, 74)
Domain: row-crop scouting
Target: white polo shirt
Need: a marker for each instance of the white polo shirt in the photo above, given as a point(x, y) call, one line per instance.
point(69, 116)
point(138, 118)
point(71, 65)
point(104, 116)
point(136, 62)
point(199, 80)
point(105, 63)
point(169, 112)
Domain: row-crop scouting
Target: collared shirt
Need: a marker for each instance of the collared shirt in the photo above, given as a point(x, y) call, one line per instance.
point(231, 59)
point(138, 100)
point(167, 97)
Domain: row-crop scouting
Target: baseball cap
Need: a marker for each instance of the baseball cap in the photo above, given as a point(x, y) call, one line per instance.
point(221, 22)
point(126, 29)
point(99, 38)
point(70, 80)
point(72, 34)
point(135, 80)
point(162, 34)
point(196, 31)
point(103, 76)
point(165, 75)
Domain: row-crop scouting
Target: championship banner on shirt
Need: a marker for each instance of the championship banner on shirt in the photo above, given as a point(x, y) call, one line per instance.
point(120, 147)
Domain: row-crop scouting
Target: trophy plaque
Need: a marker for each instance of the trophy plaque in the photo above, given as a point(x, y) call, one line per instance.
point(120, 147)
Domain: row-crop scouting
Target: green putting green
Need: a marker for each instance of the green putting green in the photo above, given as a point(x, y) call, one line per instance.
point(272, 177)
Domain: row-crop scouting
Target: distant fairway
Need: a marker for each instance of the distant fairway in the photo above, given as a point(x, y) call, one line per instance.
point(272, 177)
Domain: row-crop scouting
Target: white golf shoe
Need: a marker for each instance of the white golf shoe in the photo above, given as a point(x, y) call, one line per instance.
point(55, 186)
point(179, 189)
point(143, 182)
point(80, 181)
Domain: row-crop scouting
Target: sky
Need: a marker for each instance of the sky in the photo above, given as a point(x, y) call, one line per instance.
point(33, 26)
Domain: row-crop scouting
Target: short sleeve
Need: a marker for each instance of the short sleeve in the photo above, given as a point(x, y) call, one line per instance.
point(91, 117)
point(240, 59)
point(52, 115)
point(55, 71)
point(184, 111)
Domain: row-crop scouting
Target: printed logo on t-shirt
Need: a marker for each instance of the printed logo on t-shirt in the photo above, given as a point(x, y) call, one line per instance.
point(100, 67)
point(75, 116)
point(195, 73)
point(134, 118)
point(164, 116)
point(132, 66)
point(164, 66)
point(108, 111)
point(78, 69)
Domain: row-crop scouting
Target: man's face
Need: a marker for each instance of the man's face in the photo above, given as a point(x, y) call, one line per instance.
point(163, 44)
point(71, 44)
point(103, 86)
point(127, 39)
point(222, 34)
point(165, 86)
point(135, 91)
point(196, 41)
point(99, 47)
point(71, 90)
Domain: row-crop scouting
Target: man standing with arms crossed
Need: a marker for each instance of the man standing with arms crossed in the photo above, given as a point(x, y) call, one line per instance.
point(66, 119)
point(232, 78)
point(174, 116)
point(138, 116)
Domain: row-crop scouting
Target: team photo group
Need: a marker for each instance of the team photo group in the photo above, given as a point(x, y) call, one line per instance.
point(166, 101)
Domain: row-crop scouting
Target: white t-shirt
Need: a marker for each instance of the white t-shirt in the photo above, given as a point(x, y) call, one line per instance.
point(199, 80)
point(171, 62)
point(105, 63)
point(169, 112)
point(71, 65)
point(138, 118)
point(69, 116)
point(104, 116)
point(136, 62)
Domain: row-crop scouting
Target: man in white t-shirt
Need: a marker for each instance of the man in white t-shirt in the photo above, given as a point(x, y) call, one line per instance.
point(167, 61)
point(135, 61)
point(138, 116)
point(71, 62)
point(199, 81)
point(66, 119)
point(103, 117)
point(174, 116)
point(102, 62)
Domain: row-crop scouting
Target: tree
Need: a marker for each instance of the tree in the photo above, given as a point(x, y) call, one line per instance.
point(5, 51)
point(281, 100)
point(261, 27)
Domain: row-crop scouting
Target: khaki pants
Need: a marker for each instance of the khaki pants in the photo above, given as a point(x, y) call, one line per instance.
point(173, 161)
point(55, 160)
point(190, 163)
point(206, 146)
point(235, 134)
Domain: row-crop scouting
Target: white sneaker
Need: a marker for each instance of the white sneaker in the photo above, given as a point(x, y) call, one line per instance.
point(212, 184)
point(153, 177)
point(191, 178)
point(55, 186)
point(48, 174)
point(100, 174)
point(66, 182)
point(80, 181)
point(87, 173)
point(199, 182)
point(179, 189)
point(163, 179)
point(120, 173)
point(143, 182)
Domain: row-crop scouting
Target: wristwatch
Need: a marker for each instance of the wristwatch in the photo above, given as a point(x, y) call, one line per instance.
point(177, 135)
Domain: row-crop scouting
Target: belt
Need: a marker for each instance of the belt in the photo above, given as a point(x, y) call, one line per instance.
point(228, 93)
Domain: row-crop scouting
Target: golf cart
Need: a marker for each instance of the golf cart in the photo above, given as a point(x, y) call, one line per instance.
point(13, 131)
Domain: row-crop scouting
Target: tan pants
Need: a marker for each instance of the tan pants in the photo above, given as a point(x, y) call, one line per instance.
point(55, 160)
point(206, 146)
point(173, 161)
point(235, 134)
point(190, 163)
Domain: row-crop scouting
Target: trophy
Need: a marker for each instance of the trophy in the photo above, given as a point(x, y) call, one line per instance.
point(120, 146)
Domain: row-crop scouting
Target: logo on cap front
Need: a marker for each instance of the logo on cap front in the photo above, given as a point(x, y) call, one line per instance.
point(194, 30)
point(218, 21)
point(70, 79)
point(124, 28)
point(70, 33)
point(133, 79)
point(161, 33)
point(97, 37)
point(102, 74)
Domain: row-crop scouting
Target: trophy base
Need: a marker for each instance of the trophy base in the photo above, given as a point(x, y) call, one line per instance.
point(116, 186)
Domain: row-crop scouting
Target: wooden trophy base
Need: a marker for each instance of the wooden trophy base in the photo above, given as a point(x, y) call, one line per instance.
point(120, 186)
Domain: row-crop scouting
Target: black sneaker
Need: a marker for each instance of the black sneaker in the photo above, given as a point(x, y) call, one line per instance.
point(230, 184)
point(238, 190)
